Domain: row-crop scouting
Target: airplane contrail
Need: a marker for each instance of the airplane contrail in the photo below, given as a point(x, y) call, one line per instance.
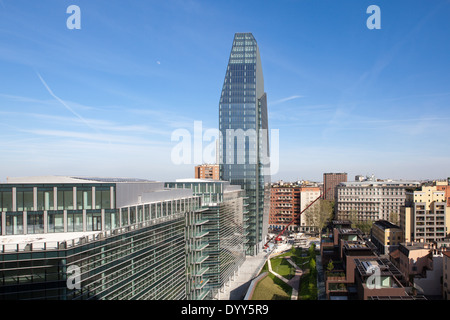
point(65, 104)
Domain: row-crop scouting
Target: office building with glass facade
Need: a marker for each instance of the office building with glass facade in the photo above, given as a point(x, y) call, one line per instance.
point(222, 218)
point(243, 136)
point(89, 238)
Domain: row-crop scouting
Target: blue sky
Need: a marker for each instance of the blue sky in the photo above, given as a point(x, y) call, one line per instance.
point(105, 99)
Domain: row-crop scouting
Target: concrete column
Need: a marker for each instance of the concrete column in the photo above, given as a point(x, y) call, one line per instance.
point(84, 220)
point(35, 198)
point(24, 219)
point(55, 198)
point(112, 199)
point(74, 198)
point(93, 198)
point(103, 220)
point(14, 199)
point(45, 221)
point(3, 215)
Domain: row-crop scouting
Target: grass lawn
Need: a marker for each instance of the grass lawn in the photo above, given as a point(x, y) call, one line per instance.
point(308, 287)
point(272, 288)
point(282, 267)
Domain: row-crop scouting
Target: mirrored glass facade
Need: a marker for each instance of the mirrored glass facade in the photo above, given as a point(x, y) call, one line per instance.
point(222, 219)
point(243, 140)
point(127, 241)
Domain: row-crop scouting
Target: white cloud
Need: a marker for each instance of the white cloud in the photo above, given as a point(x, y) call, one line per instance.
point(285, 99)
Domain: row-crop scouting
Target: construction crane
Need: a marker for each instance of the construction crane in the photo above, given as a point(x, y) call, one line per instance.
point(292, 221)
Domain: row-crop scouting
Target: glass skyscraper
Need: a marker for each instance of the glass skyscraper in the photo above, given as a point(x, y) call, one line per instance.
point(243, 140)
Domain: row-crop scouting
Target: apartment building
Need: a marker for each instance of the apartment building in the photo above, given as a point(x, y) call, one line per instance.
point(378, 279)
point(308, 220)
point(425, 215)
point(287, 201)
point(446, 275)
point(358, 271)
point(421, 264)
point(207, 171)
point(386, 236)
point(330, 182)
point(371, 200)
point(444, 186)
point(284, 206)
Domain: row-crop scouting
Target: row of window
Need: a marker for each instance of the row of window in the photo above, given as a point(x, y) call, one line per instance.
point(56, 222)
point(64, 198)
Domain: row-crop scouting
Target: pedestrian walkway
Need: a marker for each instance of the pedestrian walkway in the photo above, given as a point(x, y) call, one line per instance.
point(238, 286)
point(293, 282)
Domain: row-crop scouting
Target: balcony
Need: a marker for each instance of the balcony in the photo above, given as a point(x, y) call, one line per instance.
point(337, 287)
point(335, 277)
point(201, 259)
point(200, 285)
point(199, 247)
point(200, 222)
point(201, 272)
point(200, 234)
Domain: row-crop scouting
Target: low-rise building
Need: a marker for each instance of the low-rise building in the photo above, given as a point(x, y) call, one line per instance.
point(421, 264)
point(386, 236)
point(110, 238)
point(378, 277)
point(446, 275)
point(347, 256)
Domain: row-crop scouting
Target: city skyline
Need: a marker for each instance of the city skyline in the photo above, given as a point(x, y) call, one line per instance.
point(105, 99)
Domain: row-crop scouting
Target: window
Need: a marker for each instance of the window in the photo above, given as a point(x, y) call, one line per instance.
point(65, 199)
point(152, 211)
point(132, 215)
point(35, 222)
point(45, 199)
point(14, 223)
point(6, 201)
point(124, 212)
point(84, 198)
point(102, 198)
point(147, 212)
point(94, 221)
point(140, 214)
point(55, 221)
point(111, 219)
point(24, 199)
point(74, 221)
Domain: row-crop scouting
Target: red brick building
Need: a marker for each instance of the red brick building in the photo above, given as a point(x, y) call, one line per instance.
point(330, 181)
point(284, 206)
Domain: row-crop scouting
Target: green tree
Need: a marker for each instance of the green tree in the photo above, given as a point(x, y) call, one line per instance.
point(319, 214)
point(394, 217)
point(330, 266)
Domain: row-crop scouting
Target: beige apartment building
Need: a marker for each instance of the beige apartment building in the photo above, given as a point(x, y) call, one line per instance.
point(371, 200)
point(425, 216)
point(386, 236)
point(309, 217)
